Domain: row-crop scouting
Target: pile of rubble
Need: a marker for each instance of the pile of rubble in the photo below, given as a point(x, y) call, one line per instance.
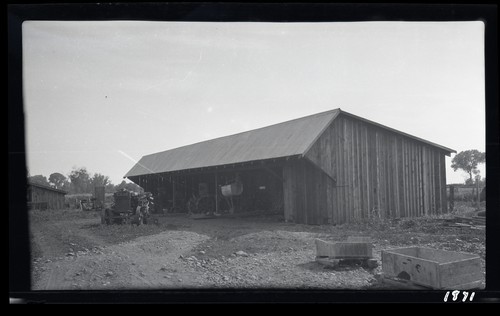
point(474, 222)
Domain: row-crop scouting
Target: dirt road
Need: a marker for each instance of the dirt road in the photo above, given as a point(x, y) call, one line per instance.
point(72, 250)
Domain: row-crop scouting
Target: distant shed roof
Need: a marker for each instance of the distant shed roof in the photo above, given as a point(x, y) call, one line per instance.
point(285, 139)
point(46, 187)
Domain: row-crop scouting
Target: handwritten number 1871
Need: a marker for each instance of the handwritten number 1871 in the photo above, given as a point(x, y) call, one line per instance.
point(456, 293)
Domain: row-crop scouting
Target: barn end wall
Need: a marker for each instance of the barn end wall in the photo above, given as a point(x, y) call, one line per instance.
point(378, 173)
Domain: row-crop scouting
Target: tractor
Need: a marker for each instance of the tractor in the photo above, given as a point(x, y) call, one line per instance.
point(129, 208)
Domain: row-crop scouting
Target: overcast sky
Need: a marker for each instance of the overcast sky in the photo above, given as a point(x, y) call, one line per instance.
point(103, 94)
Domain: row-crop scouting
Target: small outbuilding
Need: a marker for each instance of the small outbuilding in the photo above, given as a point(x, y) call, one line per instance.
point(42, 197)
point(328, 168)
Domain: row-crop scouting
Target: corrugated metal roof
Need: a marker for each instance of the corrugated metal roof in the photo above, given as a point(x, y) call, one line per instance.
point(280, 140)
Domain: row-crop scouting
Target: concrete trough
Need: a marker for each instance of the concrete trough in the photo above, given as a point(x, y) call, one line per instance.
point(432, 268)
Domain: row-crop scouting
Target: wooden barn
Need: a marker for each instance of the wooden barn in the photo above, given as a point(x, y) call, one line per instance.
point(329, 168)
point(43, 197)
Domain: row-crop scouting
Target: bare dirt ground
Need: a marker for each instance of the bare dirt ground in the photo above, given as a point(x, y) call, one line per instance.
point(72, 250)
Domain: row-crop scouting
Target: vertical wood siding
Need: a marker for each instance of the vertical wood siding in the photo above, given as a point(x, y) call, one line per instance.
point(308, 194)
point(54, 200)
point(377, 172)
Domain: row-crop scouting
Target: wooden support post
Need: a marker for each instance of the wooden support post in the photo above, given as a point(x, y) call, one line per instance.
point(452, 198)
point(216, 195)
point(478, 204)
point(173, 193)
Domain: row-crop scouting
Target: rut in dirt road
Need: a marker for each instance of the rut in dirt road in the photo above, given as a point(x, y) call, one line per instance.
point(151, 262)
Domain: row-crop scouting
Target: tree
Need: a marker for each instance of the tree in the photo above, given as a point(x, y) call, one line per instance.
point(110, 188)
point(59, 181)
point(469, 182)
point(468, 161)
point(482, 182)
point(99, 180)
point(40, 179)
point(80, 180)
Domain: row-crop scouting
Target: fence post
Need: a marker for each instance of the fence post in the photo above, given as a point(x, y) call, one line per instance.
point(478, 203)
point(452, 198)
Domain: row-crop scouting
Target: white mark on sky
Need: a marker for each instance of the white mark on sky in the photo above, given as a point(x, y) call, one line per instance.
point(134, 161)
point(127, 156)
point(195, 66)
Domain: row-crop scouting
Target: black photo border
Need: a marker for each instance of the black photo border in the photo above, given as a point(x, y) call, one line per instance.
point(19, 254)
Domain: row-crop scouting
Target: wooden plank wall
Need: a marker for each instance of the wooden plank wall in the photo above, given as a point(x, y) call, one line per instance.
point(308, 194)
point(54, 200)
point(377, 172)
